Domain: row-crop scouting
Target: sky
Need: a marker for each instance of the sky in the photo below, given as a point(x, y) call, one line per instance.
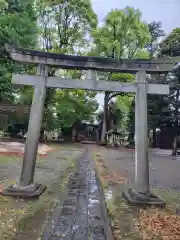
point(165, 11)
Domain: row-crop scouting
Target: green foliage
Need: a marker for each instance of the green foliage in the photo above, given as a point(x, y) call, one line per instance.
point(14, 129)
point(124, 103)
point(115, 115)
point(122, 77)
point(131, 120)
point(155, 102)
point(3, 4)
point(170, 111)
point(142, 54)
point(170, 46)
point(17, 27)
point(64, 25)
point(163, 111)
point(155, 31)
point(18, 24)
point(63, 28)
point(122, 34)
point(72, 106)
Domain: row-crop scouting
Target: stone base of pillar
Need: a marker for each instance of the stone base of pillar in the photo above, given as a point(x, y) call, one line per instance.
point(18, 191)
point(138, 199)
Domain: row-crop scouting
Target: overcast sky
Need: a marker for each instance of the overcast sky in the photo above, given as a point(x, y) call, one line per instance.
point(165, 11)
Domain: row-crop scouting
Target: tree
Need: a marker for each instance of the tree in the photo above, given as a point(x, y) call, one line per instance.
point(170, 116)
point(122, 35)
point(156, 32)
point(170, 45)
point(3, 4)
point(131, 122)
point(170, 112)
point(64, 26)
point(73, 106)
point(114, 116)
point(17, 27)
point(124, 103)
point(65, 107)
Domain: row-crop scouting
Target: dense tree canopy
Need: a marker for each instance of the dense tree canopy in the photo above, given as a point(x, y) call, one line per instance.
point(17, 27)
point(122, 34)
point(64, 25)
point(71, 27)
point(156, 32)
point(170, 45)
point(154, 112)
point(63, 28)
point(170, 116)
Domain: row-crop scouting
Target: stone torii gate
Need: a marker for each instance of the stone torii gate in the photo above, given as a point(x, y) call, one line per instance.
point(26, 186)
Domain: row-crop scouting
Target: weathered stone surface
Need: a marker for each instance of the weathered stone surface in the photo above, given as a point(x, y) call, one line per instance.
point(82, 214)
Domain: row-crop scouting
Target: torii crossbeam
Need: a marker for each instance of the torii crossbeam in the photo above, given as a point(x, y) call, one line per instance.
point(26, 187)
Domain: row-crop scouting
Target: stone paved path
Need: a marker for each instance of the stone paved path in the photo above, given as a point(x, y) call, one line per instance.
point(82, 215)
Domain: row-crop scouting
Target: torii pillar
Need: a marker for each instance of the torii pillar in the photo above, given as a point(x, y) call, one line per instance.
point(26, 187)
point(140, 194)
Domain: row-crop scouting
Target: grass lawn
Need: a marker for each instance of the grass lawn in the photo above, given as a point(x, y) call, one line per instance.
point(7, 158)
point(134, 223)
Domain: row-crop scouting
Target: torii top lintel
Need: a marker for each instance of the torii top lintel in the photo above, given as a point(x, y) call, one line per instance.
point(86, 62)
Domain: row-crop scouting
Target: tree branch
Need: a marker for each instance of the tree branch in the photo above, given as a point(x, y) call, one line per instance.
point(113, 95)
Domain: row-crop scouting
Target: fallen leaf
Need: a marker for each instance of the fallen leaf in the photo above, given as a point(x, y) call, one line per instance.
point(160, 224)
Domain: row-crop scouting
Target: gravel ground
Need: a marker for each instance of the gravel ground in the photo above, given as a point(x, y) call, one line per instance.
point(164, 169)
point(164, 173)
point(24, 219)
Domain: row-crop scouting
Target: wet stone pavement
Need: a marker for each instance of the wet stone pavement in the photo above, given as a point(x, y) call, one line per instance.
point(82, 215)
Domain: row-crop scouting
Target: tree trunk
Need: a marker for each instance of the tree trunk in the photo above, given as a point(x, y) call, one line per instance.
point(131, 138)
point(105, 119)
point(74, 135)
point(174, 147)
point(42, 138)
point(154, 145)
point(175, 137)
